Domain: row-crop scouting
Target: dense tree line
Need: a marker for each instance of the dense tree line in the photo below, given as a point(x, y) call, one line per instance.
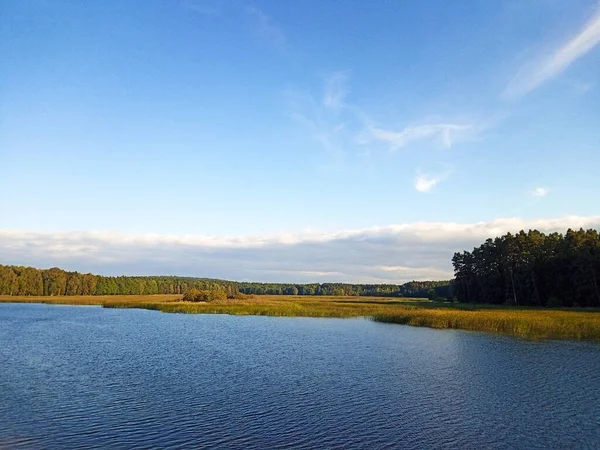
point(531, 269)
point(411, 289)
point(523, 269)
point(16, 280)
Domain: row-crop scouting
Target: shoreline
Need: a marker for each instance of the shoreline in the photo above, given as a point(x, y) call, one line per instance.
point(520, 322)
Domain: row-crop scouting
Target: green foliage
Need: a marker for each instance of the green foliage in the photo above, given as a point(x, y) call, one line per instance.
point(414, 289)
point(15, 280)
point(192, 295)
point(53, 282)
point(291, 290)
point(531, 269)
point(205, 295)
point(523, 269)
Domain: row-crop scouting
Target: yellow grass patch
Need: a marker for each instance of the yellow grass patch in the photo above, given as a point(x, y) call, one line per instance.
point(522, 322)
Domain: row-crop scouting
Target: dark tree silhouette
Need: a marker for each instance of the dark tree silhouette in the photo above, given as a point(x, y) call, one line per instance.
point(531, 269)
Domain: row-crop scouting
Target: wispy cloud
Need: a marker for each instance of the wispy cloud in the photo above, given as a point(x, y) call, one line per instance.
point(533, 76)
point(582, 87)
point(445, 133)
point(342, 127)
point(335, 89)
point(391, 254)
point(265, 27)
point(539, 192)
point(260, 22)
point(321, 127)
point(203, 7)
point(326, 117)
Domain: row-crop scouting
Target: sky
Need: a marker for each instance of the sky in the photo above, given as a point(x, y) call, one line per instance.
point(292, 141)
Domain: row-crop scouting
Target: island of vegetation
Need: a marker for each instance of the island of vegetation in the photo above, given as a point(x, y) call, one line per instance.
point(529, 284)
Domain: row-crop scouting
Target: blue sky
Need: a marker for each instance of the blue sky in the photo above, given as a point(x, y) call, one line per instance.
point(275, 122)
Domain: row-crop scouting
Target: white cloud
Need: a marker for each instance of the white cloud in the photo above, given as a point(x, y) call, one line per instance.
point(533, 76)
point(539, 192)
point(446, 133)
point(390, 254)
point(424, 183)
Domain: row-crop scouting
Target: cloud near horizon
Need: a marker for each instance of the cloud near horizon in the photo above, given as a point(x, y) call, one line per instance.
point(390, 254)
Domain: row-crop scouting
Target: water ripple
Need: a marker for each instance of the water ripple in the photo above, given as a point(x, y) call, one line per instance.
point(94, 378)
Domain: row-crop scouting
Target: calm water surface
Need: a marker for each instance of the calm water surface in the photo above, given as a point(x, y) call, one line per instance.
point(83, 377)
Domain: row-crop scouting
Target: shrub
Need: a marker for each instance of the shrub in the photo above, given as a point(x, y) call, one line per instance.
point(196, 295)
point(191, 295)
point(215, 295)
point(241, 296)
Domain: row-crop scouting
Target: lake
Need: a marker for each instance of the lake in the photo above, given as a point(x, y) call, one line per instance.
point(84, 377)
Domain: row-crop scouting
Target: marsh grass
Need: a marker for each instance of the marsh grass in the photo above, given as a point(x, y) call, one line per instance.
point(91, 300)
point(521, 322)
point(532, 324)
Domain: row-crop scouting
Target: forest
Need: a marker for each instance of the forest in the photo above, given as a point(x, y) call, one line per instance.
point(532, 268)
point(527, 268)
point(16, 280)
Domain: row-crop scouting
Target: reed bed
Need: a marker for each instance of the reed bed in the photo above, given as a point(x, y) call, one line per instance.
point(521, 322)
point(280, 305)
point(533, 324)
point(90, 300)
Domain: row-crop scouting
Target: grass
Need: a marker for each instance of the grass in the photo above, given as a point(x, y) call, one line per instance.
point(522, 322)
point(533, 324)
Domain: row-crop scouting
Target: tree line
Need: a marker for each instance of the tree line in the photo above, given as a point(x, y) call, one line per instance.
point(411, 289)
point(17, 280)
point(531, 268)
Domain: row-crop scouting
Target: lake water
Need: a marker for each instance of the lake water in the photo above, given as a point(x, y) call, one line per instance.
point(83, 377)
